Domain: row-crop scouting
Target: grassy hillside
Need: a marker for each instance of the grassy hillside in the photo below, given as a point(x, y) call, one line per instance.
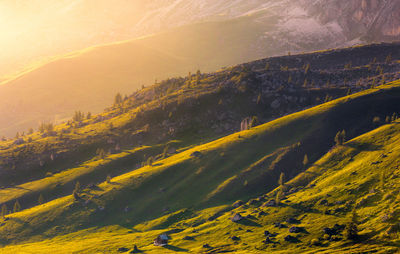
point(190, 192)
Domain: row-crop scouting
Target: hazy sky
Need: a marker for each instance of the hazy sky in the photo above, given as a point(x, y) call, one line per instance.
point(33, 29)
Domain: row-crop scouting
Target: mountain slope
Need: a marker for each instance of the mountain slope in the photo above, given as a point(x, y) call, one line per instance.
point(64, 86)
point(210, 34)
point(239, 166)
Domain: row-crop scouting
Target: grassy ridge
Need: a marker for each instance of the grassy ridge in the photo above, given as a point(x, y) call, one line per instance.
point(240, 166)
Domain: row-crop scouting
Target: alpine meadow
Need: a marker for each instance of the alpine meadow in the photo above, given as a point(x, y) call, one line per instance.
point(200, 126)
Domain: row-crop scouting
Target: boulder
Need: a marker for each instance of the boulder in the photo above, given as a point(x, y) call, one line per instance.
point(275, 104)
point(296, 229)
point(291, 239)
point(161, 240)
point(237, 217)
point(235, 238)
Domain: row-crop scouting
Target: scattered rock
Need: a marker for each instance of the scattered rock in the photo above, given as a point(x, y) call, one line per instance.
point(161, 240)
point(235, 238)
point(237, 217)
point(291, 239)
point(296, 229)
point(275, 104)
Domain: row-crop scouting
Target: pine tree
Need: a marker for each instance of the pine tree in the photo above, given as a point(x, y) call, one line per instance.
point(117, 99)
point(305, 160)
point(343, 136)
point(278, 196)
point(150, 161)
point(101, 153)
point(259, 98)
point(17, 207)
point(388, 59)
point(41, 199)
point(394, 117)
point(4, 210)
point(307, 68)
point(382, 178)
point(305, 83)
point(281, 180)
point(340, 137)
point(89, 115)
point(77, 188)
point(254, 121)
point(165, 151)
point(290, 79)
point(351, 230)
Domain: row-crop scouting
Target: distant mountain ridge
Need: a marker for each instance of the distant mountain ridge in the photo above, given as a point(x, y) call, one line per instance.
point(205, 35)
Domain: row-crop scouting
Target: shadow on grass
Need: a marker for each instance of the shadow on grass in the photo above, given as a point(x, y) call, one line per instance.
point(175, 248)
point(20, 188)
point(363, 146)
point(115, 183)
point(247, 222)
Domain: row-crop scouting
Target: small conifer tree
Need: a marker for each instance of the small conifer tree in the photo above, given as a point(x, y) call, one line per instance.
point(305, 161)
point(4, 210)
point(117, 99)
point(281, 180)
point(41, 199)
point(17, 207)
point(259, 98)
point(351, 230)
point(77, 188)
point(254, 121)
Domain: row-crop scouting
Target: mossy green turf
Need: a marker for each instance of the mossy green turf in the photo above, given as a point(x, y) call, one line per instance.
point(189, 196)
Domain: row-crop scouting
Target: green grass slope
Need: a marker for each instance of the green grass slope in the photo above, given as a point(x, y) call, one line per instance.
point(191, 192)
